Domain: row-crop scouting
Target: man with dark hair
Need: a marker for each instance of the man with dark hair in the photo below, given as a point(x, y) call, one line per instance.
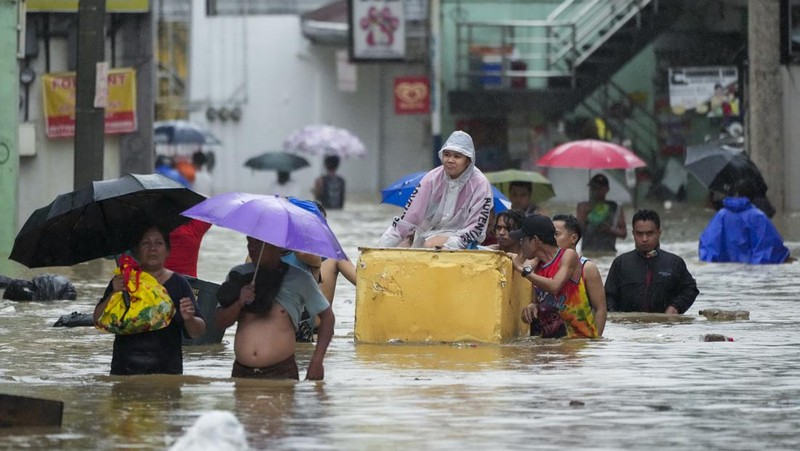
point(506, 222)
point(649, 279)
point(559, 302)
point(329, 188)
point(568, 234)
point(268, 312)
point(519, 193)
point(603, 221)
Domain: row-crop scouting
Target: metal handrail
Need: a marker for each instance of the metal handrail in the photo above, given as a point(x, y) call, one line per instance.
point(555, 46)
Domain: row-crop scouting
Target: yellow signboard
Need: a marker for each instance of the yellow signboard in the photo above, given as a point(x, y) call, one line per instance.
point(58, 93)
point(71, 6)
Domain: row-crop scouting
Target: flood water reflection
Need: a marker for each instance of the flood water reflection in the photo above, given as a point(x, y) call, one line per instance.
point(651, 383)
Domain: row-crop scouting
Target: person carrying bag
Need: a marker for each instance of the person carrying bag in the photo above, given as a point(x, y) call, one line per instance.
point(144, 307)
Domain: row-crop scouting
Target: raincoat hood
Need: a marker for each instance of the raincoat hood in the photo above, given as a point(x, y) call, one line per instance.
point(741, 233)
point(458, 208)
point(737, 203)
point(459, 142)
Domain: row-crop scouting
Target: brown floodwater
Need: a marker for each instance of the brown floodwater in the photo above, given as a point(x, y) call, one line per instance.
point(651, 383)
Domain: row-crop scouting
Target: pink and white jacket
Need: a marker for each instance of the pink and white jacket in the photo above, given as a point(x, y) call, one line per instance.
point(458, 208)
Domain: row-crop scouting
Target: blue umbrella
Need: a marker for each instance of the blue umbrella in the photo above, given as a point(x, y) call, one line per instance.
point(182, 132)
point(398, 192)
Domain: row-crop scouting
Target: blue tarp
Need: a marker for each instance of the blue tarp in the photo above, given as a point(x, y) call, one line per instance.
point(741, 233)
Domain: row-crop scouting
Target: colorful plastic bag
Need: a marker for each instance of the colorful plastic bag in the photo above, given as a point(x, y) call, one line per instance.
point(147, 308)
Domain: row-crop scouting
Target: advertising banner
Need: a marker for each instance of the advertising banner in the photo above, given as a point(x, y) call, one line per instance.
point(711, 91)
point(412, 95)
point(71, 6)
point(58, 93)
point(377, 30)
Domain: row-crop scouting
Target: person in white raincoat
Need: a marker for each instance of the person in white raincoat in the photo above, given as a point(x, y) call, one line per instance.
point(450, 207)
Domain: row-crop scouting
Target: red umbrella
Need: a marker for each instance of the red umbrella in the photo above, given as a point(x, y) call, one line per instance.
point(591, 154)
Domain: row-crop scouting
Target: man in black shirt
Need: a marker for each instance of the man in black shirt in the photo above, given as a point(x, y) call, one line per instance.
point(649, 279)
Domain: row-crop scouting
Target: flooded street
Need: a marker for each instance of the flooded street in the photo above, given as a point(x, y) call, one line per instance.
point(651, 383)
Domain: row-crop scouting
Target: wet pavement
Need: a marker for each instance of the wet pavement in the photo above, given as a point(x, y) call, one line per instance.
point(651, 383)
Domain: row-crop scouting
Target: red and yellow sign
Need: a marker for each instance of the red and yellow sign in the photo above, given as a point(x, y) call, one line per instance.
point(412, 95)
point(58, 92)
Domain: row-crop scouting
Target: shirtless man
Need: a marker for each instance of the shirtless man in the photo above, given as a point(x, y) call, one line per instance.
point(268, 315)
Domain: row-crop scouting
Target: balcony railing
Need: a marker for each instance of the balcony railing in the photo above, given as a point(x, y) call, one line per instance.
point(525, 53)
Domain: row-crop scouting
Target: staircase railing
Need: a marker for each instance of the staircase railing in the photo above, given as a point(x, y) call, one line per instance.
point(595, 22)
point(626, 119)
point(525, 53)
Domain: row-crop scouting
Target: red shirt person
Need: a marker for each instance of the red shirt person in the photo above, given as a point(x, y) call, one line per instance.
point(185, 249)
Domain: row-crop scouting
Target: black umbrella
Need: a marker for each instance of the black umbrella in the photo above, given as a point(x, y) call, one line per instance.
point(277, 161)
point(103, 219)
point(720, 167)
point(707, 160)
point(182, 132)
point(727, 171)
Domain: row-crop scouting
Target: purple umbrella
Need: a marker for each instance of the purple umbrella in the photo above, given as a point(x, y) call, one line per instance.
point(272, 219)
point(325, 140)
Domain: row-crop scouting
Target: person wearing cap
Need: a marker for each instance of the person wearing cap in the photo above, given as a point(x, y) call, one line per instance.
point(648, 278)
point(560, 303)
point(450, 207)
point(603, 221)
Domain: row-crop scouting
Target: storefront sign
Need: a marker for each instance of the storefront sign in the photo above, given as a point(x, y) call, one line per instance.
point(711, 91)
point(377, 30)
point(412, 95)
point(71, 6)
point(58, 92)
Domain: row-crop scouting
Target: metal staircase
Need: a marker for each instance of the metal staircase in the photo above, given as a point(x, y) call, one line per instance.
point(557, 61)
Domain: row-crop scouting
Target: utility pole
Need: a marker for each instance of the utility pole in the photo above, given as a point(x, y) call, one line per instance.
point(434, 19)
point(765, 94)
point(10, 13)
point(136, 149)
point(89, 120)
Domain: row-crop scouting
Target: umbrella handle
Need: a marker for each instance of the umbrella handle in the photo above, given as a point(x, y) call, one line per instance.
point(126, 297)
point(255, 273)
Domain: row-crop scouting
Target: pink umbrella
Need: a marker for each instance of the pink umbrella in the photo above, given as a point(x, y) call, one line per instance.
point(590, 154)
point(325, 140)
point(272, 219)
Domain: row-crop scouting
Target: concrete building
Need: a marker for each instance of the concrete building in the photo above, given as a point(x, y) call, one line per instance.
point(265, 64)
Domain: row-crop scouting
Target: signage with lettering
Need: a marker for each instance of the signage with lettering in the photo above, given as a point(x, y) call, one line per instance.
point(58, 93)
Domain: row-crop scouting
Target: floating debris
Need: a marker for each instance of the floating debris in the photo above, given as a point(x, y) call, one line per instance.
point(715, 314)
point(715, 337)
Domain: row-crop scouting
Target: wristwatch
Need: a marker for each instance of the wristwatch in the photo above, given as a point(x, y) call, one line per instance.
point(526, 270)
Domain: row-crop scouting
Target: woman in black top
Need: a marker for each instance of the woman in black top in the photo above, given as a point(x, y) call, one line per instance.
point(157, 351)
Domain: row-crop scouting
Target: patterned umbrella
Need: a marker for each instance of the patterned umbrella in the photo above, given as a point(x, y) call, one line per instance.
point(325, 140)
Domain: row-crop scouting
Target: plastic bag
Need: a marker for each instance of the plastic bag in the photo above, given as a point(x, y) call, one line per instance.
point(46, 287)
point(148, 307)
point(51, 287)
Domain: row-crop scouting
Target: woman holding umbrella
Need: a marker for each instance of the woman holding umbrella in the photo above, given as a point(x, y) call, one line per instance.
point(450, 207)
point(159, 351)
